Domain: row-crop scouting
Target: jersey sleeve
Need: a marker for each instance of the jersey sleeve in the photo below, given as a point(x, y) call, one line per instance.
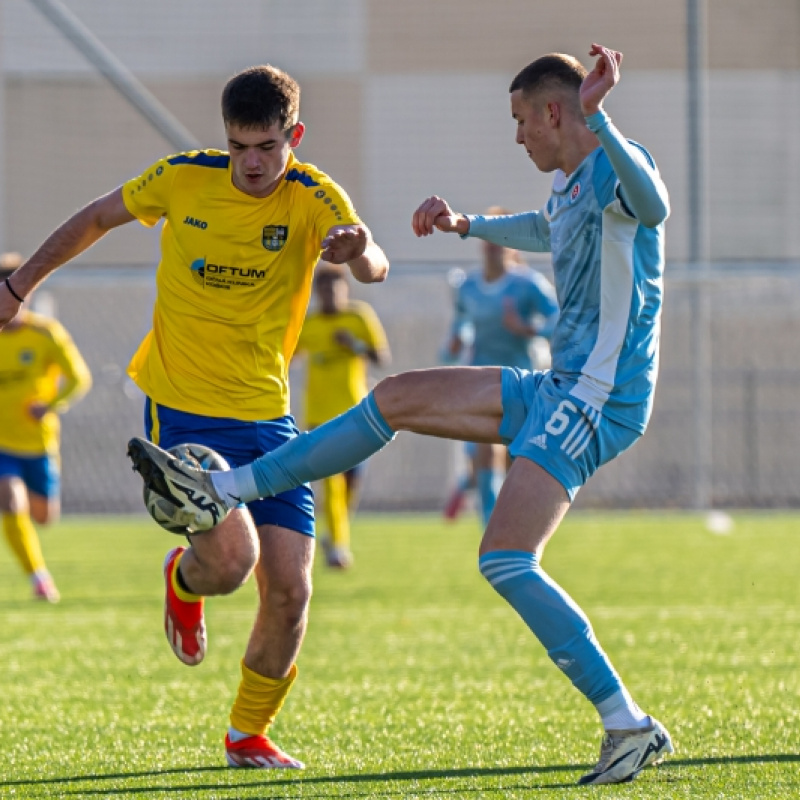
point(76, 378)
point(375, 335)
point(333, 207)
point(147, 196)
point(529, 231)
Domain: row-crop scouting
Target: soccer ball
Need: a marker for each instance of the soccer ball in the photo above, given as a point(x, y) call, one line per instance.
point(166, 513)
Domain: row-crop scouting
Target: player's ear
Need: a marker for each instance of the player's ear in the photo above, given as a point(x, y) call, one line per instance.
point(297, 134)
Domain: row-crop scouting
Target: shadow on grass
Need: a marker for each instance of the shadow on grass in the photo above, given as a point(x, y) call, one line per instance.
point(435, 774)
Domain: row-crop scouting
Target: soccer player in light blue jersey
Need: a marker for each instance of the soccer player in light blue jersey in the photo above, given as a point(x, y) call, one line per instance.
point(499, 308)
point(604, 225)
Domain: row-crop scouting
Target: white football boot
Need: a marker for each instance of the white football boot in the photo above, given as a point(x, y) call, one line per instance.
point(624, 754)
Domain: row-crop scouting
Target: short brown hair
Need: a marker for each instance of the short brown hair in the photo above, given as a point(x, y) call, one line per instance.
point(553, 71)
point(327, 271)
point(259, 97)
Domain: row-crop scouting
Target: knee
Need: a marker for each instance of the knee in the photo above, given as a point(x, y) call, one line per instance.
point(392, 397)
point(45, 513)
point(231, 561)
point(13, 496)
point(234, 572)
point(289, 597)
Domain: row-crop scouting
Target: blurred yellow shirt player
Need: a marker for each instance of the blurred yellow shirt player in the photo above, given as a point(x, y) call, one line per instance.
point(233, 283)
point(339, 338)
point(41, 374)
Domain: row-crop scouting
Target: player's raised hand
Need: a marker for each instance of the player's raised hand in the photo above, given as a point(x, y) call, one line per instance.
point(601, 80)
point(344, 244)
point(434, 213)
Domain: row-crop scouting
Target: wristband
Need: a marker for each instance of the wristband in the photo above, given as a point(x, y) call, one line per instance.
point(13, 293)
point(359, 347)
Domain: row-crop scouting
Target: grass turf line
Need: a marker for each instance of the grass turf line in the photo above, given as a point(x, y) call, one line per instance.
point(416, 680)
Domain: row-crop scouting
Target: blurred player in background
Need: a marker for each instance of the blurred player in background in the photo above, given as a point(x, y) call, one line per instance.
point(499, 309)
point(243, 231)
point(41, 375)
point(339, 339)
point(604, 226)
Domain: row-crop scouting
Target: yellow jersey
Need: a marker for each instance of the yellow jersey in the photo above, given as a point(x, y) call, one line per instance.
point(39, 363)
point(336, 377)
point(233, 282)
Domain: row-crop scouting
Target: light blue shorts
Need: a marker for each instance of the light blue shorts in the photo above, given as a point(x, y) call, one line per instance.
point(563, 435)
point(41, 474)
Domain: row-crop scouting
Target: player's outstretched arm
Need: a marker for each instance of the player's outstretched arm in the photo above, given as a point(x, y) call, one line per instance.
point(642, 188)
point(353, 245)
point(70, 239)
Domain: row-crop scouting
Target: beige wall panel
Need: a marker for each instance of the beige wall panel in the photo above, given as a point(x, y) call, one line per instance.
point(428, 134)
point(743, 34)
point(753, 164)
point(67, 144)
point(332, 110)
point(187, 38)
point(505, 35)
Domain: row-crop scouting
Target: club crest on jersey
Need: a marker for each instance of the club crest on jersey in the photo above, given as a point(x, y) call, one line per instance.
point(576, 190)
point(273, 237)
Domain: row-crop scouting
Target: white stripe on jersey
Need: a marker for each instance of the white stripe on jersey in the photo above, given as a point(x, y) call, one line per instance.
point(616, 290)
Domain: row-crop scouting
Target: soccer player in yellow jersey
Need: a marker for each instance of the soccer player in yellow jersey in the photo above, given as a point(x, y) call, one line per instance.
point(338, 340)
point(42, 373)
point(242, 233)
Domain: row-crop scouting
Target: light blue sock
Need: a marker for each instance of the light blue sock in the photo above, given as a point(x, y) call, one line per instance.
point(555, 620)
point(334, 447)
point(489, 483)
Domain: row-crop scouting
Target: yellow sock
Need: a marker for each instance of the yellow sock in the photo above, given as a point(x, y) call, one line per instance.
point(259, 700)
point(182, 594)
point(337, 513)
point(24, 541)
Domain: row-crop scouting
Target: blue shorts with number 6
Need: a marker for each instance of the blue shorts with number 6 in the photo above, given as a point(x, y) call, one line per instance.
point(563, 435)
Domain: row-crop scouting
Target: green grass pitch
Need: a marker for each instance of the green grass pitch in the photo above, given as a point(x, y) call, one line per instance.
point(416, 680)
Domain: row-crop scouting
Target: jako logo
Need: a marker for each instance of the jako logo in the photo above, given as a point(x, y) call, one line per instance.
point(195, 223)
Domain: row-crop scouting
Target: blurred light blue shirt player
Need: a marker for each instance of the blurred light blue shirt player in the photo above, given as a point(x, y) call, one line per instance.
point(484, 306)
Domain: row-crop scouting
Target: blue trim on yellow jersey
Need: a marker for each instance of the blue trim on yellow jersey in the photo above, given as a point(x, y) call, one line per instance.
point(201, 160)
point(301, 177)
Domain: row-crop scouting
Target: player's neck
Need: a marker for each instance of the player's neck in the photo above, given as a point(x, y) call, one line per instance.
point(576, 148)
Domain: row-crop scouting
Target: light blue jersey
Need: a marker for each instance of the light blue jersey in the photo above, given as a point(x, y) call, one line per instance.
point(481, 305)
point(608, 271)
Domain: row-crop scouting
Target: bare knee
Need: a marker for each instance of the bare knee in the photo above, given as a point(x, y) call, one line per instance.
point(224, 558)
point(285, 594)
point(44, 511)
point(13, 496)
point(401, 398)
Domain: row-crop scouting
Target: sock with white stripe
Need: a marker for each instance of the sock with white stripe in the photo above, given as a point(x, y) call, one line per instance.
point(556, 620)
point(334, 447)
